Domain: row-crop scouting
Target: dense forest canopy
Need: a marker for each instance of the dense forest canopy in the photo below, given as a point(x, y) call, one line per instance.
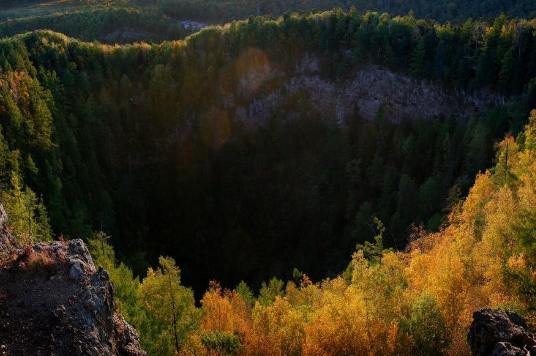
point(107, 25)
point(108, 22)
point(416, 302)
point(455, 11)
point(222, 11)
point(142, 141)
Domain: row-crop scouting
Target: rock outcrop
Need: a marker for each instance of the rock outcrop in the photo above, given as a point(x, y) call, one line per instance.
point(7, 242)
point(53, 301)
point(368, 89)
point(500, 333)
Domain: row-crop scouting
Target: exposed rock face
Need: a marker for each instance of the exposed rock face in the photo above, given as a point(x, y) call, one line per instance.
point(126, 337)
point(54, 302)
point(369, 89)
point(499, 333)
point(7, 242)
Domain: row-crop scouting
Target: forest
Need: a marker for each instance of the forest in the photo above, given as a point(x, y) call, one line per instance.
point(107, 25)
point(455, 11)
point(309, 225)
point(91, 130)
point(223, 11)
point(413, 302)
point(127, 21)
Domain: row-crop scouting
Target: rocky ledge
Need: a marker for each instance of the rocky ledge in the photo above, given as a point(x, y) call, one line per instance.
point(53, 301)
point(500, 333)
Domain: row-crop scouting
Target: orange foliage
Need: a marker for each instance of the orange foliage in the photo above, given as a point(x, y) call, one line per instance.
point(381, 310)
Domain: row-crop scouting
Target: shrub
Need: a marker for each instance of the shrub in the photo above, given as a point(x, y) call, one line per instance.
point(221, 342)
point(40, 261)
point(427, 327)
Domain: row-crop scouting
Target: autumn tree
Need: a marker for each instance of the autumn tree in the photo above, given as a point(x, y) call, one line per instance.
point(170, 306)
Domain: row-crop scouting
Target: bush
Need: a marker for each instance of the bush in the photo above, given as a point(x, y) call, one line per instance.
point(224, 343)
point(426, 327)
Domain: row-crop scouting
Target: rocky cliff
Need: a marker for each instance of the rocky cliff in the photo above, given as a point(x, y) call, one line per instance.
point(53, 301)
point(7, 242)
point(500, 333)
point(368, 89)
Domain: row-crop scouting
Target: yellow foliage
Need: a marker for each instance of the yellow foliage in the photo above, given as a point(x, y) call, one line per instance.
point(225, 311)
point(427, 293)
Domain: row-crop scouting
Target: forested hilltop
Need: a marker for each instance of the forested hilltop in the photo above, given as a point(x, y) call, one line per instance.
point(454, 11)
point(105, 24)
point(222, 11)
point(128, 21)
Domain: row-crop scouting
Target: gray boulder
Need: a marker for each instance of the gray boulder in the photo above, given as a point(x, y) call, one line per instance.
point(499, 333)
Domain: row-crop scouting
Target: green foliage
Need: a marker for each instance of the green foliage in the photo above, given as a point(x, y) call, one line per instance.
point(143, 141)
point(427, 327)
point(418, 59)
point(430, 198)
point(127, 294)
point(171, 312)
point(442, 10)
point(246, 293)
point(105, 24)
point(270, 291)
point(373, 252)
point(454, 198)
point(297, 274)
point(221, 342)
point(102, 252)
point(28, 217)
point(348, 274)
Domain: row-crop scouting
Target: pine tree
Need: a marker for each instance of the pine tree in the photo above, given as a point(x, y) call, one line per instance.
point(417, 63)
point(506, 73)
point(373, 252)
